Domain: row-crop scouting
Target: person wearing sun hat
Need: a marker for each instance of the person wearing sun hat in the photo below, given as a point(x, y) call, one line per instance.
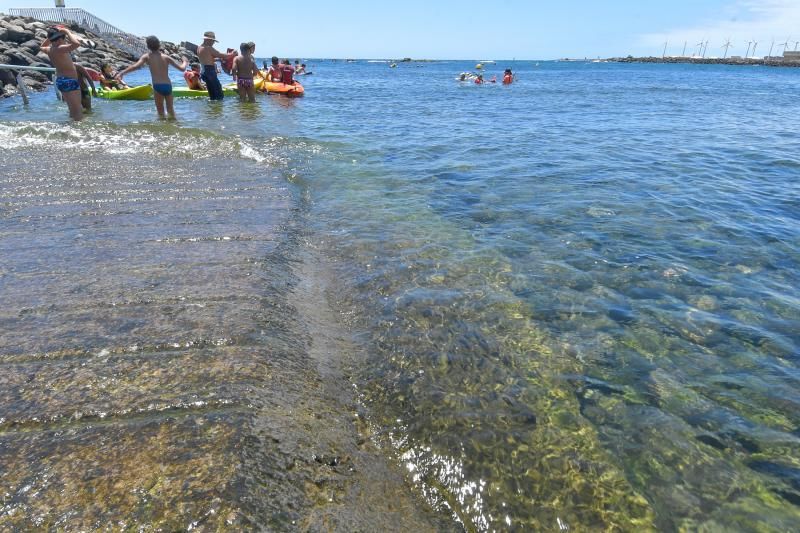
point(208, 56)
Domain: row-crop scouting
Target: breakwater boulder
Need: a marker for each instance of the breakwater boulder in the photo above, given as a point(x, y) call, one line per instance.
point(20, 41)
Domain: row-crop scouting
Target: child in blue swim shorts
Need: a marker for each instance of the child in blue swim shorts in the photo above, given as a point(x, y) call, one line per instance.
point(159, 64)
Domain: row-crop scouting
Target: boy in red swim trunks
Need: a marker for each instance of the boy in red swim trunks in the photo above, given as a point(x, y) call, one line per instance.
point(159, 71)
point(58, 46)
point(244, 70)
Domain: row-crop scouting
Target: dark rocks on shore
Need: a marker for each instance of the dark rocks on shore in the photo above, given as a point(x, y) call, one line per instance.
point(20, 41)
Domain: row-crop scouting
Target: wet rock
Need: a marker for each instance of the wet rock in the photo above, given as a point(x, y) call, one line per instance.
point(789, 496)
point(32, 45)
point(621, 315)
point(712, 441)
point(645, 293)
point(7, 77)
point(20, 57)
point(17, 34)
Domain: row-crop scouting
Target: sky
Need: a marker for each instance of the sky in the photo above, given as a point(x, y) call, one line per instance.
point(460, 29)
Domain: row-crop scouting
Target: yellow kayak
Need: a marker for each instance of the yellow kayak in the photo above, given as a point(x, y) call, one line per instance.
point(142, 92)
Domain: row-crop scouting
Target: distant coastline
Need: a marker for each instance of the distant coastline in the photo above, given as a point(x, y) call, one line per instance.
point(736, 61)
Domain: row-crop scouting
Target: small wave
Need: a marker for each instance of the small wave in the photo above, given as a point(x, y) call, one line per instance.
point(137, 139)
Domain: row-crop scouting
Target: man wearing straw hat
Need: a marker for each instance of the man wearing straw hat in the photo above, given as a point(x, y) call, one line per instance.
point(208, 56)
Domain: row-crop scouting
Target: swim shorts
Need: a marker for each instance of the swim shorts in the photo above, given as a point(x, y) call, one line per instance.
point(244, 83)
point(67, 85)
point(212, 82)
point(164, 89)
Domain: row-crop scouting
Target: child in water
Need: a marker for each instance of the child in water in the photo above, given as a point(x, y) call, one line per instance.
point(275, 72)
point(86, 81)
point(159, 71)
point(192, 78)
point(58, 46)
point(244, 70)
point(107, 79)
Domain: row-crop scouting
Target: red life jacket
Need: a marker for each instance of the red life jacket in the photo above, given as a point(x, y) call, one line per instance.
point(191, 78)
point(287, 73)
point(227, 63)
point(276, 73)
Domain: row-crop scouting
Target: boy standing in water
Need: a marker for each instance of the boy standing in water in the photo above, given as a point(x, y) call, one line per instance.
point(244, 70)
point(159, 70)
point(208, 56)
point(58, 46)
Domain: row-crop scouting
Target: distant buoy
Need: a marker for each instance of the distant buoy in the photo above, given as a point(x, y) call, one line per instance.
point(479, 66)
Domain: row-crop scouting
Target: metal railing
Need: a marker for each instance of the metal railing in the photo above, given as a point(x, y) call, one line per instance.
point(23, 89)
point(127, 42)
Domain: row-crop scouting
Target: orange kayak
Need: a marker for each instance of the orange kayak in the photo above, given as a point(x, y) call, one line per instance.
point(292, 89)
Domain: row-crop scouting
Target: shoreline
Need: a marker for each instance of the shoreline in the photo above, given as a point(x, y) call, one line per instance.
point(171, 359)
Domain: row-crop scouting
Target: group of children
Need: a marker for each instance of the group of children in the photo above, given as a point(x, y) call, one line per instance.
point(73, 81)
point(508, 78)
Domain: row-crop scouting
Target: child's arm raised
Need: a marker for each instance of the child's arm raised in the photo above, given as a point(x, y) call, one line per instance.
point(180, 66)
point(75, 41)
point(136, 66)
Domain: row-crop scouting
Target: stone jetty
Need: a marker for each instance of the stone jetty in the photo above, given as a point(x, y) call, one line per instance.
point(20, 41)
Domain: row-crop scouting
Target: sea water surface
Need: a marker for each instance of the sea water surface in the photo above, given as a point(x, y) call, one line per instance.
point(574, 301)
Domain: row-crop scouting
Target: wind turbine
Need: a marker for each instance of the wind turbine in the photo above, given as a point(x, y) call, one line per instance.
point(705, 49)
point(771, 47)
point(665, 50)
point(700, 48)
point(795, 45)
point(785, 45)
point(687, 42)
point(726, 46)
point(749, 44)
point(755, 45)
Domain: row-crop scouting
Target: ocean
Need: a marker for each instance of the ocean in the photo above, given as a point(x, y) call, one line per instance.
point(406, 302)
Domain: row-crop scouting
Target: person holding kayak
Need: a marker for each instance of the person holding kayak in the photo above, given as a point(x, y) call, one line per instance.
point(159, 63)
point(58, 46)
point(192, 78)
point(244, 70)
point(208, 56)
point(107, 80)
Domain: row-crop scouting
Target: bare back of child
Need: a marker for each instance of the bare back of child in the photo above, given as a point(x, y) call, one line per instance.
point(159, 64)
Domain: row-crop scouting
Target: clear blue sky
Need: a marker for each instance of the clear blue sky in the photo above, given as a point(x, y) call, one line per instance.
point(456, 29)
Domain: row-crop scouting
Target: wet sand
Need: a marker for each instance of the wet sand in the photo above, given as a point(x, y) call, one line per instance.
point(170, 361)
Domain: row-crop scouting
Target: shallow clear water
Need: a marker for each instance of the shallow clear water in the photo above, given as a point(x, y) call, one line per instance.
point(577, 296)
